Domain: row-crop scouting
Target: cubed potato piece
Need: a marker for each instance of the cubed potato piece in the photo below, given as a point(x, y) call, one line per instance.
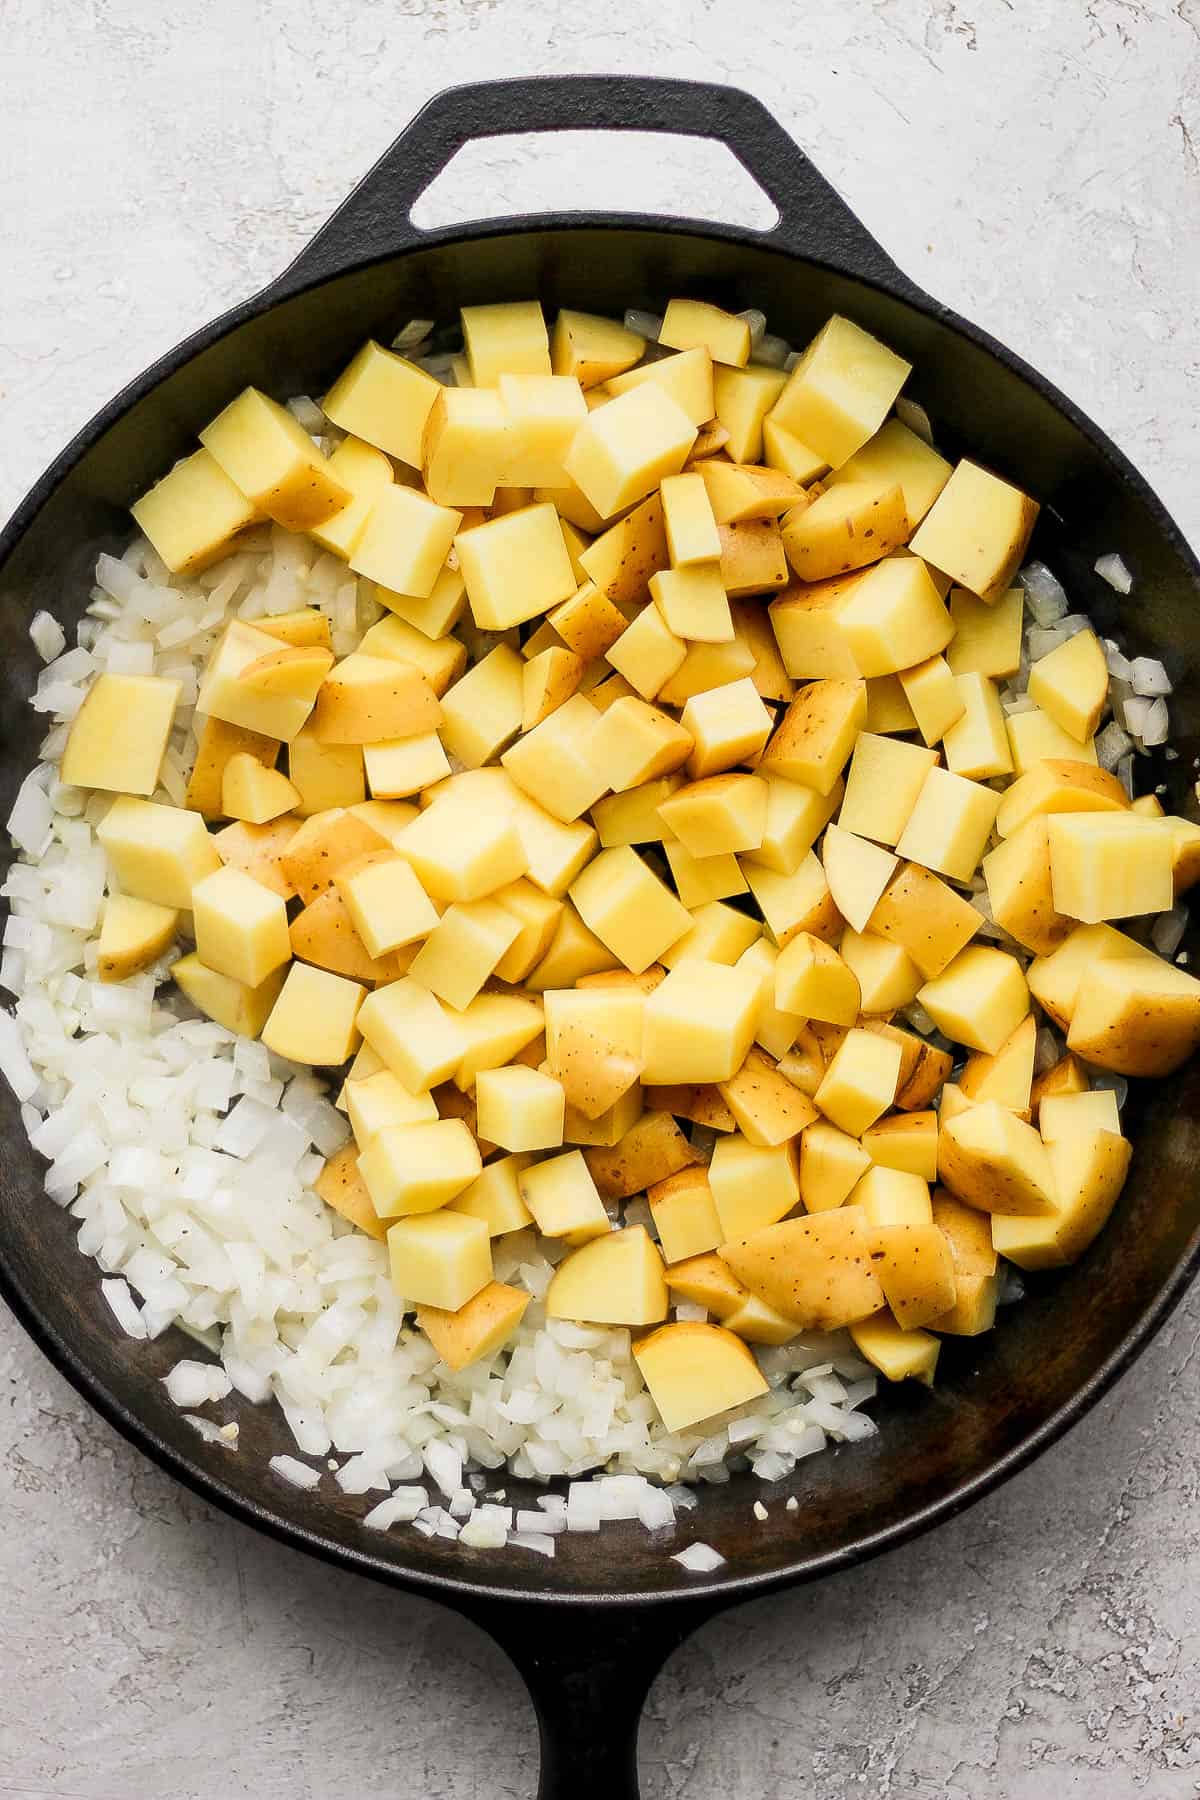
point(987, 636)
point(520, 1108)
point(1136, 1015)
point(1059, 786)
point(380, 1100)
point(314, 1020)
point(950, 824)
point(752, 629)
point(1066, 1076)
point(688, 323)
point(505, 338)
point(325, 776)
point(118, 736)
point(418, 1039)
point(845, 528)
point(1034, 737)
point(979, 999)
point(933, 695)
point(631, 817)
point(549, 679)
point(157, 853)
point(817, 733)
point(1057, 980)
point(588, 623)
point(1071, 684)
point(216, 743)
point(968, 1233)
point(323, 845)
point(691, 529)
point(417, 1168)
point(916, 1271)
point(440, 1259)
point(271, 458)
point(515, 567)
point(776, 1031)
point(794, 903)
point(994, 1161)
point(363, 471)
point(719, 933)
point(976, 745)
point(693, 603)
point(1006, 1076)
point(707, 666)
point(592, 348)
point(1068, 1115)
point(252, 681)
point(977, 531)
point(405, 541)
point(883, 784)
point(628, 908)
point(535, 916)
point(624, 449)
point(495, 1196)
point(481, 713)
point(324, 933)
point(615, 1280)
point(705, 1281)
point(478, 1329)
point(195, 514)
point(722, 814)
point(467, 446)
point(860, 1083)
point(404, 766)
point(742, 491)
point(1089, 1170)
point(752, 1184)
point(647, 653)
point(816, 1270)
point(781, 448)
point(974, 1309)
point(857, 871)
point(796, 816)
point(887, 709)
point(561, 1197)
point(686, 379)
point(904, 1143)
point(573, 951)
point(133, 935)
point(637, 743)
point(887, 976)
point(699, 1023)
point(606, 1131)
point(463, 950)
point(342, 1187)
point(241, 927)
point(593, 1064)
point(769, 1110)
point(542, 413)
point(685, 1215)
point(238, 1008)
point(699, 880)
point(806, 620)
point(258, 849)
point(759, 1323)
point(556, 763)
point(255, 793)
point(459, 854)
point(395, 639)
point(927, 918)
point(1110, 865)
point(370, 699)
point(651, 1150)
point(894, 616)
point(840, 391)
point(495, 1028)
point(897, 454)
point(898, 1355)
point(621, 560)
point(386, 901)
point(1020, 889)
point(811, 979)
point(385, 400)
point(695, 1370)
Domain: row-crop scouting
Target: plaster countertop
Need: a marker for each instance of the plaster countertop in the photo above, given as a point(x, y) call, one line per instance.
point(1038, 168)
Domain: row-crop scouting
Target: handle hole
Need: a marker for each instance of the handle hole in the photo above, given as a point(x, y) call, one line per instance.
point(636, 171)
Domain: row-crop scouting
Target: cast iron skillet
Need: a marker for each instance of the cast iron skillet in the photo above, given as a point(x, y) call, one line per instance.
point(590, 1630)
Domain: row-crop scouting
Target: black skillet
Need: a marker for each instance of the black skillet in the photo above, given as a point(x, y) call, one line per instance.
point(590, 1630)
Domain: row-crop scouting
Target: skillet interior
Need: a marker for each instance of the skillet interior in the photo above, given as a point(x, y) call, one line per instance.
point(997, 1398)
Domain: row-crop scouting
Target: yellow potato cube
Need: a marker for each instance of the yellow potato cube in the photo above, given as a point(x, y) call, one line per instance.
point(685, 1215)
point(226, 694)
point(693, 602)
point(387, 817)
point(272, 459)
point(556, 765)
point(976, 745)
point(840, 391)
point(324, 844)
point(894, 616)
point(457, 854)
point(1020, 888)
point(1056, 980)
point(515, 567)
point(314, 1019)
point(341, 1186)
point(817, 733)
point(386, 901)
point(622, 559)
point(898, 1355)
point(995, 1162)
point(494, 1028)
point(752, 630)
point(719, 815)
point(816, 1271)
point(719, 933)
point(728, 725)
point(404, 766)
point(915, 1269)
point(806, 620)
point(979, 999)
point(549, 679)
point(118, 736)
point(887, 976)
point(968, 1233)
point(238, 1008)
point(1059, 785)
point(1089, 1169)
point(133, 934)
point(324, 933)
point(428, 617)
point(506, 338)
point(325, 776)
point(364, 472)
point(897, 454)
point(707, 666)
point(466, 447)
point(752, 558)
point(255, 793)
point(781, 448)
point(417, 1168)
point(688, 518)
point(592, 348)
point(612, 1014)
point(694, 1371)
point(974, 1309)
point(857, 872)
point(495, 1196)
point(949, 826)
point(440, 1259)
point(883, 784)
point(385, 400)
point(617, 1280)
point(796, 816)
point(543, 413)
point(258, 849)
point(705, 1281)
point(624, 449)
point(157, 853)
point(752, 1184)
point(794, 903)
point(241, 927)
point(652, 1148)
point(636, 744)
point(887, 709)
point(739, 492)
point(1033, 737)
point(845, 528)
point(647, 653)
point(768, 1108)
point(687, 323)
point(891, 1196)
point(418, 1039)
point(1137, 1015)
point(631, 817)
point(987, 635)
point(861, 1081)
point(588, 623)
point(463, 949)
point(381, 1100)
point(932, 693)
point(1066, 1076)
point(561, 1197)
point(1065, 1115)
point(977, 531)
point(924, 916)
point(699, 1023)
point(1109, 865)
point(906, 1143)
point(195, 514)
point(481, 713)
point(477, 1329)
point(216, 743)
point(811, 979)
point(628, 908)
point(700, 880)
point(536, 917)
point(520, 1108)
point(686, 379)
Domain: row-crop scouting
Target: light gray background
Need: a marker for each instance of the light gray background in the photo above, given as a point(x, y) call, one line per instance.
point(1036, 165)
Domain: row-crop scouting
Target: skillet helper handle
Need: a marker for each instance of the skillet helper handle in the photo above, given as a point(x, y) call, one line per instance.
point(588, 1675)
point(376, 219)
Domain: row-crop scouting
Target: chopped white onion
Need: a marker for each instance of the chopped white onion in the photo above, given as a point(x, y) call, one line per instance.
point(1112, 569)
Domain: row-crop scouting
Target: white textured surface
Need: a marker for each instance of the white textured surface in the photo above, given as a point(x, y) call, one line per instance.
point(1038, 166)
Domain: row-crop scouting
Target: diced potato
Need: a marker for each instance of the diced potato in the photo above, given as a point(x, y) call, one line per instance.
point(241, 927)
point(857, 871)
point(631, 817)
point(781, 448)
point(752, 1184)
point(515, 567)
point(806, 620)
point(752, 558)
point(897, 454)
point(258, 849)
point(274, 462)
point(699, 1023)
point(904, 1142)
point(816, 1270)
point(794, 903)
point(1034, 737)
point(887, 976)
point(719, 815)
point(216, 743)
point(592, 348)
point(707, 666)
point(860, 1083)
point(1110, 865)
point(549, 679)
point(705, 1281)
point(255, 793)
point(795, 818)
point(615, 1280)
point(899, 1355)
point(495, 1196)
point(405, 541)
point(323, 845)
point(759, 1323)
point(385, 400)
point(440, 1259)
point(776, 1031)
point(418, 1039)
point(1066, 1076)
point(950, 824)
point(535, 916)
point(367, 699)
point(594, 1063)
point(457, 854)
point(622, 559)
point(314, 1019)
point(976, 745)
point(342, 1187)
point(817, 733)
point(606, 1131)
point(1020, 889)
point(719, 933)
point(636, 744)
point(195, 514)
point(505, 338)
point(118, 736)
point(728, 725)
point(883, 784)
point(481, 713)
point(405, 765)
point(687, 323)
point(380, 1100)
point(994, 1161)
point(927, 918)
point(561, 1198)
point(686, 378)
point(1071, 683)
point(520, 1108)
point(694, 1371)
point(979, 999)
point(495, 1028)
point(651, 1149)
point(543, 413)
point(1137, 1015)
point(325, 776)
point(1057, 786)
point(968, 1233)
point(752, 630)
point(324, 933)
point(768, 1109)
point(688, 519)
point(574, 951)
point(685, 1215)
point(395, 638)
point(238, 1008)
point(915, 1268)
point(633, 913)
point(693, 603)
point(133, 935)
point(1066, 1115)
point(1089, 1170)
point(845, 528)
point(893, 616)
point(556, 764)
point(157, 853)
point(977, 531)
point(811, 979)
point(742, 491)
point(1057, 980)
point(840, 391)
point(700, 880)
point(933, 695)
point(386, 901)
point(466, 448)
point(987, 636)
point(417, 1168)
point(478, 1329)
point(1007, 1075)
point(624, 449)
point(363, 471)
point(243, 651)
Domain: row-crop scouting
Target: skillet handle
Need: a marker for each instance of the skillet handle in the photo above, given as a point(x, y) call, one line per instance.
point(588, 1675)
point(376, 219)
